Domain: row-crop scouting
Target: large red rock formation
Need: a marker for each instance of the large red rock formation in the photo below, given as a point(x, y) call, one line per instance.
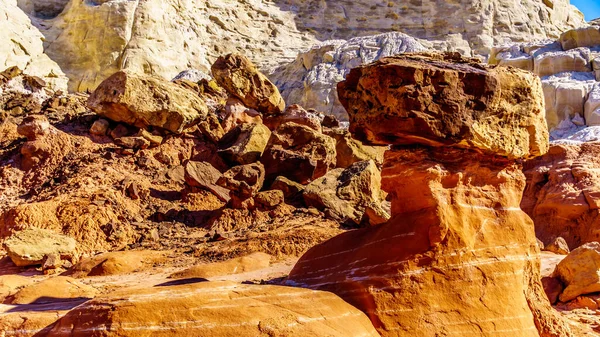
point(459, 256)
point(563, 194)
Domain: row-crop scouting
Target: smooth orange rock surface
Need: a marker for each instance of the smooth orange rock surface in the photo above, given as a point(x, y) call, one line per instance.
point(215, 309)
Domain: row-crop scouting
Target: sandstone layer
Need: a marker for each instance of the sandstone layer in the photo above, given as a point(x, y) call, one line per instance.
point(215, 309)
point(458, 256)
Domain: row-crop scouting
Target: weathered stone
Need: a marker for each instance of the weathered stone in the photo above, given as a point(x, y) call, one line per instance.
point(553, 288)
point(243, 181)
point(134, 143)
point(143, 100)
point(299, 153)
point(245, 143)
point(204, 175)
point(228, 309)
point(576, 60)
point(457, 241)
point(60, 288)
point(32, 246)
point(240, 77)
point(99, 127)
point(344, 195)
point(580, 37)
point(269, 199)
point(296, 114)
point(426, 99)
point(579, 271)
point(350, 150)
point(558, 246)
point(235, 113)
point(565, 97)
point(291, 189)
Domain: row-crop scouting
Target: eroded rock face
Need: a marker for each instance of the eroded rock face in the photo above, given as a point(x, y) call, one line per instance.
point(192, 35)
point(24, 47)
point(455, 217)
point(438, 103)
point(144, 101)
point(226, 309)
point(563, 194)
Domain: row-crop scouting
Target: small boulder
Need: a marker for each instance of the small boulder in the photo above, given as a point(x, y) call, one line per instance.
point(35, 126)
point(558, 246)
point(99, 127)
point(299, 153)
point(205, 176)
point(134, 143)
point(269, 199)
point(235, 113)
point(144, 100)
point(580, 37)
point(240, 77)
point(245, 143)
point(52, 290)
point(297, 114)
point(345, 194)
point(580, 271)
point(350, 150)
point(243, 182)
point(291, 189)
point(33, 246)
point(552, 287)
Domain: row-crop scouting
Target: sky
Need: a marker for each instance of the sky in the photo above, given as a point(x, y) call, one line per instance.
point(590, 8)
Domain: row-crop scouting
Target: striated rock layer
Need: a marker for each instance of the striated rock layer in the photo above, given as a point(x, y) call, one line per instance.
point(215, 309)
point(459, 256)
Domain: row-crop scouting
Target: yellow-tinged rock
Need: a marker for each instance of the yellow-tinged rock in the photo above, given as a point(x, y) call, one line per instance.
point(144, 100)
point(579, 271)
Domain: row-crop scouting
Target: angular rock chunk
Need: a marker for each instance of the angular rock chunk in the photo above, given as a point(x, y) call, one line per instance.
point(558, 246)
point(204, 175)
point(580, 37)
point(426, 99)
point(344, 195)
point(350, 150)
point(577, 60)
point(143, 100)
point(228, 309)
point(297, 114)
point(243, 182)
point(240, 77)
point(580, 271)
point(299, 153)
point(290, 189)
point(32, 246)
point(245, 143)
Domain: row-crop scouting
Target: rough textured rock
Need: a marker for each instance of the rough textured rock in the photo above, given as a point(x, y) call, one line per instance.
point(296, 114)
point(510, 100)
point(563, 193)
point(311, 79)
point(290, 189)
point(565, 96)
point(344, 194)
point(192, 35)
point(455, 217)
point(576, 60)
point(243, 182)
point(144, 101)
point(204, 175)
point(475, 26)
point(580, 37)
point(24, 47)
point(579, 271)
point(245, 143)
point(558, 246)
point(227, 309)
point(240, 77)
point(350, 150)
point(32, 246)
point(299, 153)
point(553, 288)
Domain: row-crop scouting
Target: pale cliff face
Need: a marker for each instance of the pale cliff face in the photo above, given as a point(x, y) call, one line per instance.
point(479, 23)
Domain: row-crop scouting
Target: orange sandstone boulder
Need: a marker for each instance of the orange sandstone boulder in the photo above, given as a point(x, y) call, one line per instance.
point(215, 309)
point(458, 257)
